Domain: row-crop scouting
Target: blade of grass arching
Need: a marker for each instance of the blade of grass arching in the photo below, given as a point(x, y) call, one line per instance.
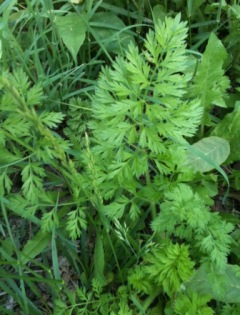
point(6, 276)
point(92, 10)
point(69, 250)
point(12, 53)
point(138, 305)
point(79, 92)
point(2, 230)
point(202, 38)
point(5, 311)
point(9, 286)
point(10, 261)
point(99, 43)
point(7, 290)
point(116, 34)
point(7, 255)
point(34, 288)
point(56, 270)
point(126, 29)
point(5, 216)
point(38, 294)
point(57, 75)
point(15, 54)
point(219, 12)
point(31, 277)
point(22, 285)
point(140, 18)
point(37, 63)
point(121, 11)
point(6, 4)
point(203, 24)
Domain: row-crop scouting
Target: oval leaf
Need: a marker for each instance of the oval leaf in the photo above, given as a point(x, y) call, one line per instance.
point(208, 153)
point(72, 29)
point(223, 287)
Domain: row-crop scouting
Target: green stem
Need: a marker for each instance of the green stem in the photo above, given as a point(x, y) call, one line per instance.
point(150, 299)
point(152, 205)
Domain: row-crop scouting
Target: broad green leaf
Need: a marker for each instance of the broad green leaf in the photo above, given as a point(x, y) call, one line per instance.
point(208, 154)
point(109, 29)
point(229, 129)
point(223, 287)
point(210, 84)
point(99, 260)
point(35, 246)
point(72, 29)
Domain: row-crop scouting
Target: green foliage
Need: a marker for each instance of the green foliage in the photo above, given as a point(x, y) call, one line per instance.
point(230, 310)
point(190, 304)
point(138, 107)
point(33, 145)
point(78, 115)
point(183, 208)
point(96, 301)
point(169, 266)
point(108, 187)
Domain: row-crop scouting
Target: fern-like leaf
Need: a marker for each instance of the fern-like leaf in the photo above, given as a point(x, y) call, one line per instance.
point(140, 102)
point(169, 266)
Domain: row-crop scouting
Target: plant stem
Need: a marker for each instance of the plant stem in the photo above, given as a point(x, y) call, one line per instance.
point(152, 205)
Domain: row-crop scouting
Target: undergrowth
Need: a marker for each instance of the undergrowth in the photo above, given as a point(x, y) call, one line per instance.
point(119, 165)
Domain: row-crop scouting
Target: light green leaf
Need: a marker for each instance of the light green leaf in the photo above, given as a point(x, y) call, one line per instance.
point(229, 129)
point(51, 119)
point(35, 246)
point(72, 29)
point(208, 153)
point(223, 287)
point(115, 210)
